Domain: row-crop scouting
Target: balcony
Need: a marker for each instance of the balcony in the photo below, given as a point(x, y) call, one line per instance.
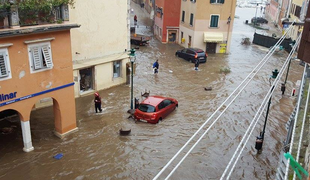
point(33, 12)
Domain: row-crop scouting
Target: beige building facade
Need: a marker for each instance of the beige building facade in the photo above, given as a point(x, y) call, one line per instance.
point(297, 10)
point(100, 46)
point(207, 24)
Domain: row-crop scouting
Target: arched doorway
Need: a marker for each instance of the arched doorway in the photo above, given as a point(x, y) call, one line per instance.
point(10, 131)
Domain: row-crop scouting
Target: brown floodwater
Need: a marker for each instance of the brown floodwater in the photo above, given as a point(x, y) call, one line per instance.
point(97, 151)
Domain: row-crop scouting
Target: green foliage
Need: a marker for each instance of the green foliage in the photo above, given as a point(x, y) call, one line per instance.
point(225, 70)
point(4, 8)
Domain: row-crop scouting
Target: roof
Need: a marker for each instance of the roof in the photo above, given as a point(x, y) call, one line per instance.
point(36, 29)
point(153, 100)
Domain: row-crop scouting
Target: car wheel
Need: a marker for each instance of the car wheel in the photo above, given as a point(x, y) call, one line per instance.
point(160, 119)
point(176, 54)
point(177, 105)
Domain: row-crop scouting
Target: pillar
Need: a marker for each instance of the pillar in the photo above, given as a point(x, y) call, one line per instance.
point(26, 136)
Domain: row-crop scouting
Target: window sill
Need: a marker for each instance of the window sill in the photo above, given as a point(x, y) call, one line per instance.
point(6, 78)
point(191, 25)
point(39, 70)
point(214, 27)
point(216, 3)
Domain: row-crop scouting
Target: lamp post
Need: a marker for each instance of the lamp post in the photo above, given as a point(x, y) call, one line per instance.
point(255, 15)
point(260, 138)
point(132, 60)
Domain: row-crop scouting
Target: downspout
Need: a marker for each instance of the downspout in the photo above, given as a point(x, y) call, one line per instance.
point(128, 25)
point(288, 9)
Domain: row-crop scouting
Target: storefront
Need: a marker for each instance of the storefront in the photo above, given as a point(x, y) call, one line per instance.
point(213, 42)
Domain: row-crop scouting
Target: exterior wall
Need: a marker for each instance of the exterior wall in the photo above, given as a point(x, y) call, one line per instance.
point(103, 33)
point(26, 84)
point(171, 12)
point(158, 20)
point(202, 11)
point(273, 11)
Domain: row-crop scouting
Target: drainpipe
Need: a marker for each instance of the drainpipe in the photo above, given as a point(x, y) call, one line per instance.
point(288, 9)
point(128, 25)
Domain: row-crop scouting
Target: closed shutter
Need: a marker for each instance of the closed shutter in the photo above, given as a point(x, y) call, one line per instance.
point(3, 67)
point(212, 1)
point(214, 21)
point(47, 56)
point(37, 61)
point(222, 1)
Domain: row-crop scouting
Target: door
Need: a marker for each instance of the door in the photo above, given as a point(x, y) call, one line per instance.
point(172, 36)
point(211, 48)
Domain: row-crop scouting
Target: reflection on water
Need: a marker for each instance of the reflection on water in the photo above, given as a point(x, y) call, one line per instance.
point(97, 151)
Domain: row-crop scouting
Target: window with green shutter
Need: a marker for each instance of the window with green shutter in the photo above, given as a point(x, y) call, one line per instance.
point(183, 16)
point(214, 21)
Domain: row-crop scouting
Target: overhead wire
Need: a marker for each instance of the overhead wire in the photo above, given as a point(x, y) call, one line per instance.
point(257, 116)
point(257, 68)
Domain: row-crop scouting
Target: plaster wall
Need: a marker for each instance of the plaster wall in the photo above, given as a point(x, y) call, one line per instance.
point(103, 28)
point(25, 83)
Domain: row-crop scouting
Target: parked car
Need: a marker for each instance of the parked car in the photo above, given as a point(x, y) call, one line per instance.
point(259, 20)
point(155, 108)
point(191, 54)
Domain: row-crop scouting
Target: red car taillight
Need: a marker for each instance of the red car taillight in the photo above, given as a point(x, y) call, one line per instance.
point(196, 55)
point(153, 116)
point(206, 54)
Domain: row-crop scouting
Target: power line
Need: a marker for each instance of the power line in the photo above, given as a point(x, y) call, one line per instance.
point(257, 68)
point(257, 116)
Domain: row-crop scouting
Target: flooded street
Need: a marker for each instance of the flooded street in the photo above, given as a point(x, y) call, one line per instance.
point(97, 151)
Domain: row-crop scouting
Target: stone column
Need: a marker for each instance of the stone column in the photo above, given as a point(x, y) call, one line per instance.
point(27, 136)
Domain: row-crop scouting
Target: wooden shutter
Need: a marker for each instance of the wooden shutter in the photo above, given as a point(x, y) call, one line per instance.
point(3, 67)
point(222, 1)
point(212, 1)
point(47, 56)
point(37, 61)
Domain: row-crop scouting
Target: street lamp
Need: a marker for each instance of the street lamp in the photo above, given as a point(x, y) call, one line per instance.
point(260, 138)
point(255, 15)
point(132, 60)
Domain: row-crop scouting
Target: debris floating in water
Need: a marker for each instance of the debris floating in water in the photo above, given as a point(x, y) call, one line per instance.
point(58, 156)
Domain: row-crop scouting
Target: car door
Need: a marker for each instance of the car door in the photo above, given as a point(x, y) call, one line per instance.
point(182, 54)
point(161, 109)
point(168, 107)
point(189, 55)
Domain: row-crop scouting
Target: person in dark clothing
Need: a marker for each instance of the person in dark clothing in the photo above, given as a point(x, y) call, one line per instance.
point(156, 66)
point(135, 18)
point(97, 102)
point(283, 88)
point(196, 64)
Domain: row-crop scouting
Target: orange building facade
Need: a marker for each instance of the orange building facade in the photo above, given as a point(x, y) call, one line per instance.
point(35, 64)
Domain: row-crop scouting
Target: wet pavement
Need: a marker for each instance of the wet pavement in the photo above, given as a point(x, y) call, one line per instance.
point(97, 151)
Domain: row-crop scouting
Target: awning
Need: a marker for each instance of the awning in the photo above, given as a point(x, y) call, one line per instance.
point(213, 37)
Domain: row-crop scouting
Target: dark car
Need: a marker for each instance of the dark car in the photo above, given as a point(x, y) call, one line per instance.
point(191, 54)
point(259, 20)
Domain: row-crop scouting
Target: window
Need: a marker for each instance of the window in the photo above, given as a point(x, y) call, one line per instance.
point(40, 56)
point(217, 1)
point(297, 11)
point(167, 102)
point(181, 35)
point(116, 69)
point(193, 1)
point(5, 70)
point(183, 16)
point(214, 21)
point(161, 105)
point(159, 32)
point(192, 18)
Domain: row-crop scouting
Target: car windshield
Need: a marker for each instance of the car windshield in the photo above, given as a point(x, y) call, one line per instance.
point(146, 108)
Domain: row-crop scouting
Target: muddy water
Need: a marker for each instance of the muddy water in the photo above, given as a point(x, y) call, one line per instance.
point(97, 151)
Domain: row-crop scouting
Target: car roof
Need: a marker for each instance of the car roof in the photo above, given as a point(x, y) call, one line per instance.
point(196, 49)
point(153, 100)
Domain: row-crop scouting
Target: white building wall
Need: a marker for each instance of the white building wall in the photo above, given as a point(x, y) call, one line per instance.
point(104, 32)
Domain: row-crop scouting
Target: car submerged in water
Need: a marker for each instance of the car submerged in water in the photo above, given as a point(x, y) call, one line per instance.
point(155, 108)
point(191, 54)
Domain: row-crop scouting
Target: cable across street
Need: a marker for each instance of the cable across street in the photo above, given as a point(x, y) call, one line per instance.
point(248, 78)
point(257, 116)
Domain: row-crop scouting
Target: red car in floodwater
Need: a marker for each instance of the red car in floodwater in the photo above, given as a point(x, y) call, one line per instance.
point(155, 108)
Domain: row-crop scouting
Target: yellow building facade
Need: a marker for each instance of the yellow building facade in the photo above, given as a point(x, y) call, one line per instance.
point(207, 24)
point(36, 64)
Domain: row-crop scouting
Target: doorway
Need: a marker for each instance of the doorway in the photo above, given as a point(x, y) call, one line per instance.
point(211, 48)
point(172, 36)
point(86, 79)
point(189, 41)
